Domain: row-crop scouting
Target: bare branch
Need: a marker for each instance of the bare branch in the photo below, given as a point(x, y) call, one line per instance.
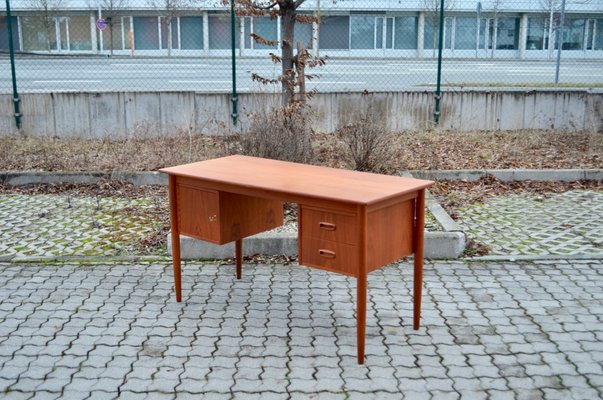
point(265, 81)
point(275, 59)
point(255, 5)
point(299, 3)
point(259, 39)
point(267, 7)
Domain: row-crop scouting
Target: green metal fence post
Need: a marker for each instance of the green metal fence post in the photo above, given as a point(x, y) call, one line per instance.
point(235, 99)
point(438, 95)
point(12, 65)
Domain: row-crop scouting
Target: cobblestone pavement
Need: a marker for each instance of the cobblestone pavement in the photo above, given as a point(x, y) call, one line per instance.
point(566, 223)
point(59, 225)
point(530, 330)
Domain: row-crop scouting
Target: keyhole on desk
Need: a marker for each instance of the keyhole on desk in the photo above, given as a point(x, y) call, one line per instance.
point(213, 218)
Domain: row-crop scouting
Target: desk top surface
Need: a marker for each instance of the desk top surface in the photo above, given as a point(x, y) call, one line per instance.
point(299, 179)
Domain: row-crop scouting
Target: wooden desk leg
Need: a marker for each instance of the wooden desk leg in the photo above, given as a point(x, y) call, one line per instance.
point(361, 288)
point(419, 234)
point(175, 238)
point(239, 256)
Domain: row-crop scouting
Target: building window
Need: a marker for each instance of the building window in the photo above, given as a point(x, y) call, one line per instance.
point(369, 32)
point(264, 27)
point(589, 34)
point(4, 33)
point(430, 37)
point(59, 38)
point(598, 34)
point(538, 33)
point(384, 33)
point(219, 32)
point(363, 32)
point(507, 33)
point(303, 33)
point(465, 33)
point(113, 35)
point(573, 34)
point(79, 33)
point(146, 33)
point(166, 24)
point(486, 33)
point(405, 33)
point(36, 33)
point(117, 35)
point(191, 33)
point(334, 33)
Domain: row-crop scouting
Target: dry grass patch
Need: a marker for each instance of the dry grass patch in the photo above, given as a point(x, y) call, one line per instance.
point(412, 150)
point(107, 154)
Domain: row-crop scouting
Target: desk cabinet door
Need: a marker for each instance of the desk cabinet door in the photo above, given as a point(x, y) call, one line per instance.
point(198, 213)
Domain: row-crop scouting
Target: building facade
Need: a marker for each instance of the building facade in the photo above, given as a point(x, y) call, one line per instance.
point(526, 30)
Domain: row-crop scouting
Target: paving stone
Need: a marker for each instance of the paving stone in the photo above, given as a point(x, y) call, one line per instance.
point(162, 364)
point(564, 223)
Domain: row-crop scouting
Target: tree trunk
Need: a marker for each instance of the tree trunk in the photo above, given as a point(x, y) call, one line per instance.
point(287, 14)
point(301, 74)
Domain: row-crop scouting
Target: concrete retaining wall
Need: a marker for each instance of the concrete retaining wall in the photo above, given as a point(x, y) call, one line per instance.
point(91, 115)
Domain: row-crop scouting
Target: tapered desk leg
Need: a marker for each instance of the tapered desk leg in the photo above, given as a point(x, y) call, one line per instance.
point(418, 261)
point(239, 256)
point(175, 238)
point(361, 288)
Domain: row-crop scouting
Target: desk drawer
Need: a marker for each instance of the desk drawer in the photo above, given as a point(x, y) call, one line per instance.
point(328, 225)
point(330, 256)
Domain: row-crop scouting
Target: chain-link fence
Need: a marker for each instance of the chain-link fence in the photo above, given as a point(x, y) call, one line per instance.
point(108, 45)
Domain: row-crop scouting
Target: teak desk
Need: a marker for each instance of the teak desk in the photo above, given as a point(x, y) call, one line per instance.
point(350, 222)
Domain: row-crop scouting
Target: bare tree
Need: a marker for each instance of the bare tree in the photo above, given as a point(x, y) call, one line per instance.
point(48, 11)
point(171, 9)
point(292, 67)
point(494, 8)
point(432, 13)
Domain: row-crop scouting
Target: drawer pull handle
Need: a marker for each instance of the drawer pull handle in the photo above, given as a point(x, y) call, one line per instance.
point(326, 226)
point(326, 253)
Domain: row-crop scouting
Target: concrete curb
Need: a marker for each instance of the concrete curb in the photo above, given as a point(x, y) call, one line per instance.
point(138, 178)
point(536, 257)
point(82, 259)
point(157, 178)
point(511, 175)
point(438, 245)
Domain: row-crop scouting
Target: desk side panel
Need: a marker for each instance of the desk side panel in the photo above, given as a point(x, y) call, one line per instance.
point(390, 234)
